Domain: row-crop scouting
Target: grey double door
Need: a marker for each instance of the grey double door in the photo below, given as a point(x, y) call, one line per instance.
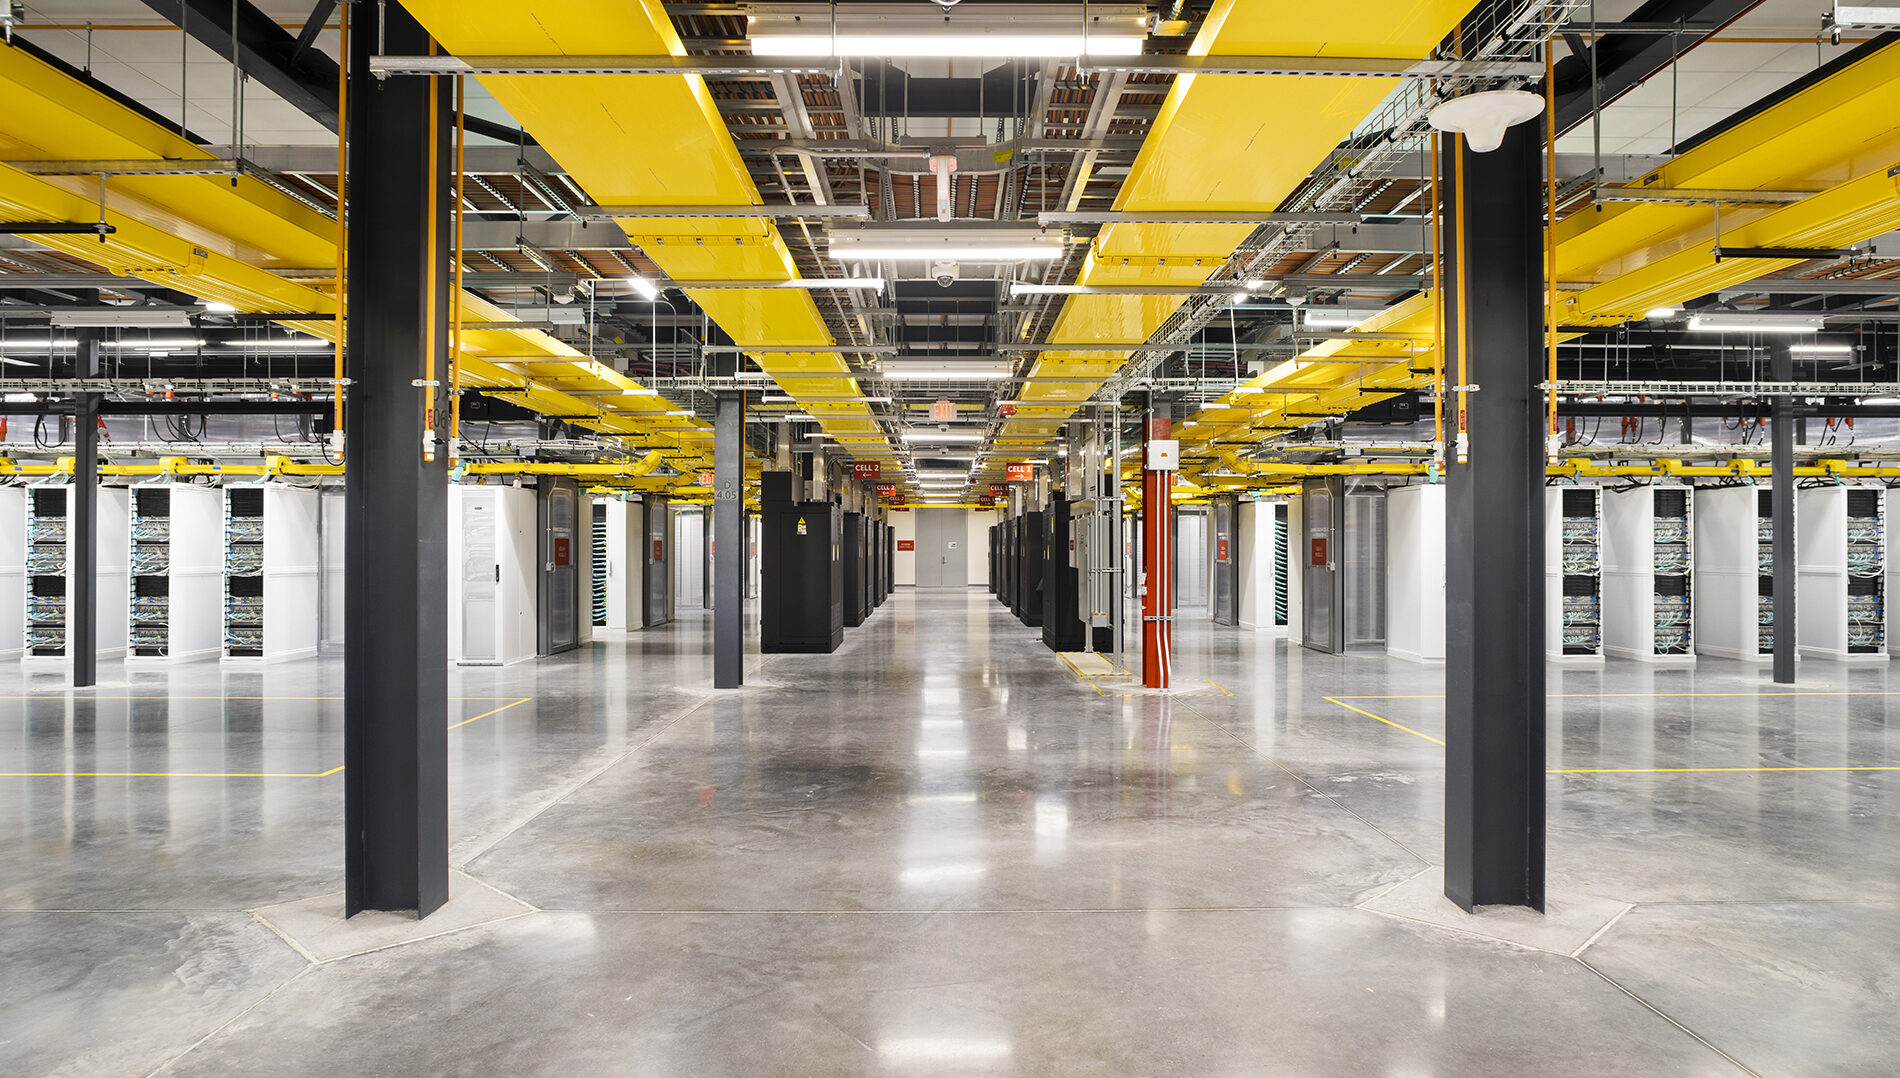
point(942, 561)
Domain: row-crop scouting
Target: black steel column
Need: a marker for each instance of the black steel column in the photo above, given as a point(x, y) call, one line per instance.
point(395, 629)
point(82, 578)
point(1781, 469)
point(1494, 541)
point(729, 546)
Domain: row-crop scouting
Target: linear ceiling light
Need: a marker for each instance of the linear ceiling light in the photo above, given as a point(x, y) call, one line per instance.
point(944, 245)
point(913, 30)
point(943, 436)
point(645, 287)
point(1754, 323)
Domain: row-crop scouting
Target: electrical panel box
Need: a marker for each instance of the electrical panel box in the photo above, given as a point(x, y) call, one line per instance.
point(1164, 455)
point(1648, 575)
point(271, 586)
point(177, 591)
point(52, 548)
point(1573, 589)
point(493, 579)
point(1841, 573)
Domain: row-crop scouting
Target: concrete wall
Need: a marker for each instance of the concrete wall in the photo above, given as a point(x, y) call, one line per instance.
point(976, 543)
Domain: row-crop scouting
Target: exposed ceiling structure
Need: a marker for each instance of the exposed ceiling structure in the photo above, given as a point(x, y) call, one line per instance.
point(1220, 213)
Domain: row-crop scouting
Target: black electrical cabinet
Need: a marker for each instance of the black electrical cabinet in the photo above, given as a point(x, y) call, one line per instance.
point(801, 571)
point(854, 607)
point(996, 584)
point(1029, 558)
point(1062, 627)
point(1007, 567)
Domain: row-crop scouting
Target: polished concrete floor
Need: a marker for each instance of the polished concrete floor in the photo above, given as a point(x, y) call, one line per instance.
point(939, 851)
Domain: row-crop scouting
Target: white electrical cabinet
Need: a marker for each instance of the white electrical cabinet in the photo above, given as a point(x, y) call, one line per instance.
point(177, 593)
point(331, 523)
point(12, 572)
point(1415, 573)
point(1841, 573)
point(492, 598)
point(271, 587)
point(1733, 581)
point(617, 568)
point(1648, 564)
point(51, 550)
point(1573, 575)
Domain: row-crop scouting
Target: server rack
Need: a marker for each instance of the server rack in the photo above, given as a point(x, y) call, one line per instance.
point(1279, 564)
point(492, 550)
point(1841, 569)
point(1062, 626)
point(995, 539)
point(801, 605)
point(270, 572)
point(51, 549)
point(1648, 582)
point(599, 564)
point(177, 575)
point(12, 572)
point(855, 607)
point(1573, 590)
point(1029, 559)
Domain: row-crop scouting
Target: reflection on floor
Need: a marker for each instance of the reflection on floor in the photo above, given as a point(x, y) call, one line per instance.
point(939, 850)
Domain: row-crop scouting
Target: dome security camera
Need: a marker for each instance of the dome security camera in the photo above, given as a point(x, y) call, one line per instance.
point(945, 272)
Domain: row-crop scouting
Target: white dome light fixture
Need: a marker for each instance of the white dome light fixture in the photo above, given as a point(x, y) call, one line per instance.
point(1482, 117)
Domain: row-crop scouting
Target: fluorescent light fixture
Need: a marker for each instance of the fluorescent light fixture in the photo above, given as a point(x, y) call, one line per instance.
point(312, 343)
point(914, 30)
point(1332, 321)
point(219, 308)
point(950, 371)
point(941, 436)
point(41, 344)
point(981, 244)
point(1659, 313)
point(645, 287)
point(677, 411)
point(1742, 322)
point(641, 392)
point(1821, 349)
point(1861, 15)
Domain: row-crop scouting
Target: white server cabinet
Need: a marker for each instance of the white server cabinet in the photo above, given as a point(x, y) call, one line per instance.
point(331, 527)
point(1841, 573)
point(1648, 564)
point(51, 548)
point(1893, 572)
point(177, 592)
point(12, 572)
point(1573, 575)
point(617, 536)
point(1415, 573)
point(1733, 581)
point(271, 566)
point(492, 598)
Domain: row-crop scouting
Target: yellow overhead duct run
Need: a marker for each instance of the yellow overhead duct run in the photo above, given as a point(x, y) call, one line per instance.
point(1839, 138)
point(658, 140)
point(203, 236)
point(1221, 142)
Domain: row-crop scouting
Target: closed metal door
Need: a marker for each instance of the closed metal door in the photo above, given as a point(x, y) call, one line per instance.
point(1364, 569)
point(942, 561)
point(1323, 630)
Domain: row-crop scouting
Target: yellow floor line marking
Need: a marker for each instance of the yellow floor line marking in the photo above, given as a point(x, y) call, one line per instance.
point(233, 774)
point(1617, 770)
point(1381, 718)
point(497, 711)
point(1165, 693)
point(1629, 695)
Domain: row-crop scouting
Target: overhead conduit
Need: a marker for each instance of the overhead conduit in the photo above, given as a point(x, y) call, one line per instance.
point(1238, 143)
point(658, 140)
point(204, 236)
point(1839, 137)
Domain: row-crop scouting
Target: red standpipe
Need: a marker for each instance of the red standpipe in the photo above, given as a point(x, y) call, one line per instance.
point(1157, 559)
